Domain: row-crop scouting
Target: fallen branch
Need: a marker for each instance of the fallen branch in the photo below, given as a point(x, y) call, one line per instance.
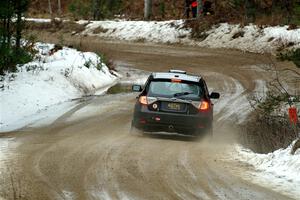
point(295, 147)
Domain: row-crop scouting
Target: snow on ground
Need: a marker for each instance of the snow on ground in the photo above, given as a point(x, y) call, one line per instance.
point(150, 31)
point(38, 20)
point(279, 170)
point(46, 86)
point(248, 38)
point(131, 75)
point(251, 38)
point(233, 103)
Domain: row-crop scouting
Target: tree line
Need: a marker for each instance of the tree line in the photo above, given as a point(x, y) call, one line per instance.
point(248, 10)
point(88, 9)
point(12, 51)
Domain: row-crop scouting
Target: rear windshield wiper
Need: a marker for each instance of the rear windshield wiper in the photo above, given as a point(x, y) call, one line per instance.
point(182, 94)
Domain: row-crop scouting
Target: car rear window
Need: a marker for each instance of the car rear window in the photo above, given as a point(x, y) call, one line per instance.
point(167, 88)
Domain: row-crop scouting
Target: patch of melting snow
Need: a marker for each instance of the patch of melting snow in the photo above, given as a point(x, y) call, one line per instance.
point(47, 83)
point(233, 103)
point(124, 196)
point(68, 195)
point(105, 104)
point(278, 170)
point(132, 76)
point(102, 195)
point(42, 117)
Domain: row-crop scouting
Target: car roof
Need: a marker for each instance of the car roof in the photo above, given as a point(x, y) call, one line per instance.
point(172, 75)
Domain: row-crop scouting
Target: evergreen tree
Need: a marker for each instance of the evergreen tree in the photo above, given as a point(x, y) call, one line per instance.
point(11, 53)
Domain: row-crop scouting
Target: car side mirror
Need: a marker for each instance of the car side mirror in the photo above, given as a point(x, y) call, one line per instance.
point(214, 95)
point(137, 88)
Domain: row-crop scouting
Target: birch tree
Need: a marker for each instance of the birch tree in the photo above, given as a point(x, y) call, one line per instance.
point(147, 9)
point(50, 7)
point(59, 7)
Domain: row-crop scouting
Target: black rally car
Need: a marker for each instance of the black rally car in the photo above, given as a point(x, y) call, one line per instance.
point(174, 102)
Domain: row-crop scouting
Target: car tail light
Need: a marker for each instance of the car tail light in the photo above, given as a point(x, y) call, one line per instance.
point(204, 106)
point(143, 100)
point(143, 121)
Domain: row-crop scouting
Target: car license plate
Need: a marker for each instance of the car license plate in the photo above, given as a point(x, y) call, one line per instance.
point(174, 106)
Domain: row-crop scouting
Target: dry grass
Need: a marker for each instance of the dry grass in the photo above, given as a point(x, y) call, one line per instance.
point(99, 29)
point(271, 20)
point(56, 26)
point(264, 134)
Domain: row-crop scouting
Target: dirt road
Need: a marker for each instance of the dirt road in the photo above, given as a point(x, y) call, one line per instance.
point(97, 158)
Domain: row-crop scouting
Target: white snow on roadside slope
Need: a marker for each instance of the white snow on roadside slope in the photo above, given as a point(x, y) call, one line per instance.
point(48, 81)
point(38, 20)
point(279, 169)
point(255, 39)
point(150, 31)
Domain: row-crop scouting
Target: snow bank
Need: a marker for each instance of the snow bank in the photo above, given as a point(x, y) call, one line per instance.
point(252, 38)
point(47, 82)
point(249, 38)
point(149, 31)
point(38, 20)
point(279, 170)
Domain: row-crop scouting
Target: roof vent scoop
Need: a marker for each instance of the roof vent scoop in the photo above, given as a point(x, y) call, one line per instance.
point(177, 71)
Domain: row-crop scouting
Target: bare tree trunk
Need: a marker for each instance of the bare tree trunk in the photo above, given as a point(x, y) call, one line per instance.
point(8, 32)
point(18, 25)
point(50, 7)
point(148, 9)
point(59, 8)
point(97, 10)
point(199, 8)
point(295, 147)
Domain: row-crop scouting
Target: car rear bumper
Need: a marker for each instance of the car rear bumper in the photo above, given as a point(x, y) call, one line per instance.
point(151, 121)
